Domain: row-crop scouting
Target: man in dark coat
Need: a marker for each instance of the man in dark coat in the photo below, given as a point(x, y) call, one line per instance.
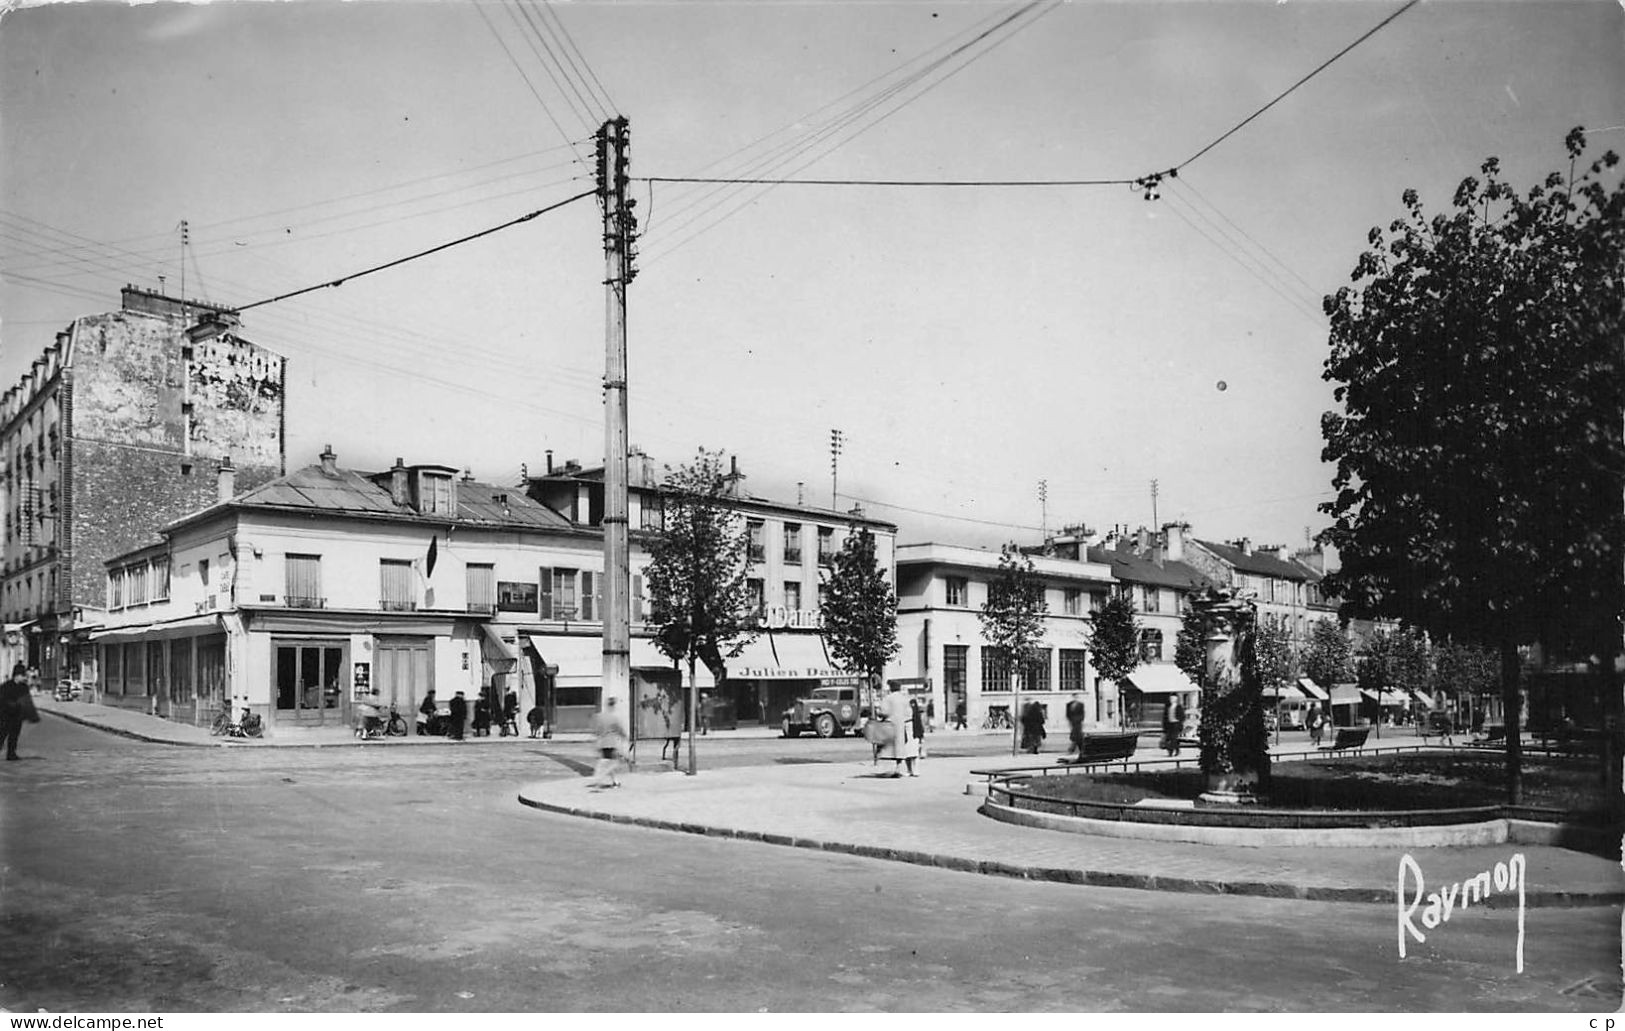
point(16, 707)
point(1074, 717)
point(1032, 727)
point(459, 716)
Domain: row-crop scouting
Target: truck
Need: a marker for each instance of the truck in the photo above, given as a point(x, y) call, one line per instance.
point(827, 712)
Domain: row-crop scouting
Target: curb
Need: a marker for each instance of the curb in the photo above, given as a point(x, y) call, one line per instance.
point(243, 742)
point(133, 735)
point(1061, 875)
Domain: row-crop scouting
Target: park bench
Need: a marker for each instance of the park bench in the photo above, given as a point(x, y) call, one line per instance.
point(1347, 737)
point(1495, 734)
point(1103, 748)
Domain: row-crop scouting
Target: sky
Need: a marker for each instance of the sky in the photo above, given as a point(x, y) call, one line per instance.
point(971, 343)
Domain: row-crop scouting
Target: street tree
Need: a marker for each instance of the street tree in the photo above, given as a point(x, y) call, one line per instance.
point(1114, 639)
point(1479, 453)
point(1277, 662)
point(700, 603)
point(1328, 658)
point(860, 610)
point(1012, 621)
point(1465, 674)
point(1395, 663)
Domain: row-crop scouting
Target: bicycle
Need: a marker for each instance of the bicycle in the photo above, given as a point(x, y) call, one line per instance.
point(997, 719)
point(374, 726)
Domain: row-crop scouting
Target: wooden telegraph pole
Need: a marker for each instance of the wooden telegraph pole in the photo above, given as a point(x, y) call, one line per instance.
point(620, 229)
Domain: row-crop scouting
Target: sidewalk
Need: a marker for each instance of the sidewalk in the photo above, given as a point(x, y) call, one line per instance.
point(931, 820)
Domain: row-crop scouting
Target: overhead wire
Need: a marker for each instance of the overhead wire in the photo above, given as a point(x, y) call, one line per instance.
point(534, 92)
point(527, 30)
point(571, 75)
point(1184, 184)
point(608, 102)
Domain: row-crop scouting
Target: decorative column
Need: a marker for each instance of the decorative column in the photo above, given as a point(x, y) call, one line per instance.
point(1235, 745)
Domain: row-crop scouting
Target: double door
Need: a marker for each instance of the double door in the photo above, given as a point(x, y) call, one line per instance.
point(403, 673)
point(312, 683)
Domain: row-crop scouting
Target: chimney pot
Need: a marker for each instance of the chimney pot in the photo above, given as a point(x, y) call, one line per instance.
point(397, 484)
point(226, 482)
point(329, 461)
point(550, 461)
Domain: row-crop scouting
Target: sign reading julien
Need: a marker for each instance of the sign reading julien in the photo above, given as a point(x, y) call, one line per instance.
point(777, 617)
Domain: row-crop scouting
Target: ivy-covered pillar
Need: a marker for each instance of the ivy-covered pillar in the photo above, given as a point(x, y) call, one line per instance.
point(1235, 745)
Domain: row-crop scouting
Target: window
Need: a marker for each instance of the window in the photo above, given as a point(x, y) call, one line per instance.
point(823, 596)
point(303, 586)
point(826, 545)
point(652, 513)
point(115, 589)
point(203, 571)
point(1153, 600)
point(113, 668)
point(956, 588)
point(398, 588)
point(436, 499)
point(1151, 645)
point(1072, 602)
point(792, 595)
point(1074, 664)
point(480, 581)
point(995, 672)
point(792, 544)
point(160, 579)
point(558, 594)
point(756, 549)
point(757, 593)
point(1037, 678)
point(136, 584)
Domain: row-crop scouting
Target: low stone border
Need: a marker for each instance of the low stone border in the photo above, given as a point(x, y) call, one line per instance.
point(1060, 875)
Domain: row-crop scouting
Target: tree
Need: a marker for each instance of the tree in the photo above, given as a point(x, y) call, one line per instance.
point(860, 610)
point(1465, 673)
point(1114, 639)
point(1396, 662)
point(700, 602)
point(1479, 453)
point(1190, 647)
point(1328, 658)
point(1277, 665)
point(1012, 621)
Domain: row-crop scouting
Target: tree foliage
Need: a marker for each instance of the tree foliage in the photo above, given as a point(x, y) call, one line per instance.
point(1114, 639)
point(1328, 658)
point(1463, 671)
point(1013, 615)
point(1396, 661)
point(1478, 454)
point(1190, 647)
point(1272, 647)
point(860, 608)
point(700, 603)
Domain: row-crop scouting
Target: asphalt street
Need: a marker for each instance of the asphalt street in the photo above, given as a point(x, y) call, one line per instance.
point(137, 877)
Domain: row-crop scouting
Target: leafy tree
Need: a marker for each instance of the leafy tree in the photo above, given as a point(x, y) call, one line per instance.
point(1277, 664)
point(1479, 451)
point(1114, 639)
point(860, 610)
point(1396, 661)
point(1190, 647)
point(700, 604)
point(1012, 620)
point(1463, 672)
point(1327, 660)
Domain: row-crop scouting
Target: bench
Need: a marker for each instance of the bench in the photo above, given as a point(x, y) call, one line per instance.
point(1494, 735)
point(1347, 737)
point(1103, 748)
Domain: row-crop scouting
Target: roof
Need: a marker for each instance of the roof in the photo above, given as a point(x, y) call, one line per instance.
point(1143, 569)
point(1259, 563)
point(345, 491)
point(595, 476)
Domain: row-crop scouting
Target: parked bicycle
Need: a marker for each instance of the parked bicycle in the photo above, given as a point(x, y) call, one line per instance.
point(998, 718)
point(374, 725)
point(248, 725)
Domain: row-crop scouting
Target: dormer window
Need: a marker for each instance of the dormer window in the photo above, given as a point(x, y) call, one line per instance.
point(435, 494)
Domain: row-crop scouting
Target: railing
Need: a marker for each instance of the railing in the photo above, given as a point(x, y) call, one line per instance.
point(299, 601)
point(397, 605)
point(792, 557)
point(484, 608)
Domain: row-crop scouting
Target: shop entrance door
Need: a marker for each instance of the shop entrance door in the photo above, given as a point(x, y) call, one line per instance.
point(311, 684)
point(404, 672)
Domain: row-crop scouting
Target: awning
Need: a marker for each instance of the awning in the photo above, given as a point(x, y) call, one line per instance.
point(1160, 678)
point(1345, 694)
point(1311, 689)
point(501, 655)
point(580, 660)
point(1421, 699)
point(191, 626)
point(1286, 693)
point(784, 656)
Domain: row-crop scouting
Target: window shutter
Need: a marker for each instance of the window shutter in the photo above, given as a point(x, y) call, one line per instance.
point(587, 599)
point(637, 598)
point(545, 592)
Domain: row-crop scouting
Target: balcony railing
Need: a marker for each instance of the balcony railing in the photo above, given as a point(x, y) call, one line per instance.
point(300, 601)
point(484, 608)
point(792, 556)
point(397, 605)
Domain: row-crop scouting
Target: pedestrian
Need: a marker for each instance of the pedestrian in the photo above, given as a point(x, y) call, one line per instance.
point(510, 714)
point(904, 747)
point(459, 715)
point(426, 713)
point(609, 734)
point(1032, 727)
point(930, 719)
point(959, 715)
point(1075, 712)
point(1176, 724)
point(16, 708)
point(482, 717)
point(920, 726)
point(1317, 725)
point(535, 717)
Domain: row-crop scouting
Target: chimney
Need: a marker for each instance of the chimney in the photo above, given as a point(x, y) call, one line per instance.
point(1142, 541)
point(468, 474)
point(1283, 553)
point(330, 461)
point(397, 484)
point(1174, 537)
point(1245, 545)
point(550, 461)
point(226, 482)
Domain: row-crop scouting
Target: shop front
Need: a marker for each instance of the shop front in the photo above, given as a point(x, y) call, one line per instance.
point(567, 672)
point(770, 673)
point(1150, 691)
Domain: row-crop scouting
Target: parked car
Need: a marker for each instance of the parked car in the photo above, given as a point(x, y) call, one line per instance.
point(827, 712)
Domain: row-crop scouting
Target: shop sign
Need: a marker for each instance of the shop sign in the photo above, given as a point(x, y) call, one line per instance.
point(777, 617)
point(785, 673)
point(363, 677)
point(516, 597)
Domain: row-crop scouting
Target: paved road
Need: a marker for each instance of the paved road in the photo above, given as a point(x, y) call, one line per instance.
point(135, 877)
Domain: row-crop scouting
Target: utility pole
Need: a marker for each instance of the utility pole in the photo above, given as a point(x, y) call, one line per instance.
point(1154, 525)
point(1043, 510)
point(620, 230)
point(836, 439)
